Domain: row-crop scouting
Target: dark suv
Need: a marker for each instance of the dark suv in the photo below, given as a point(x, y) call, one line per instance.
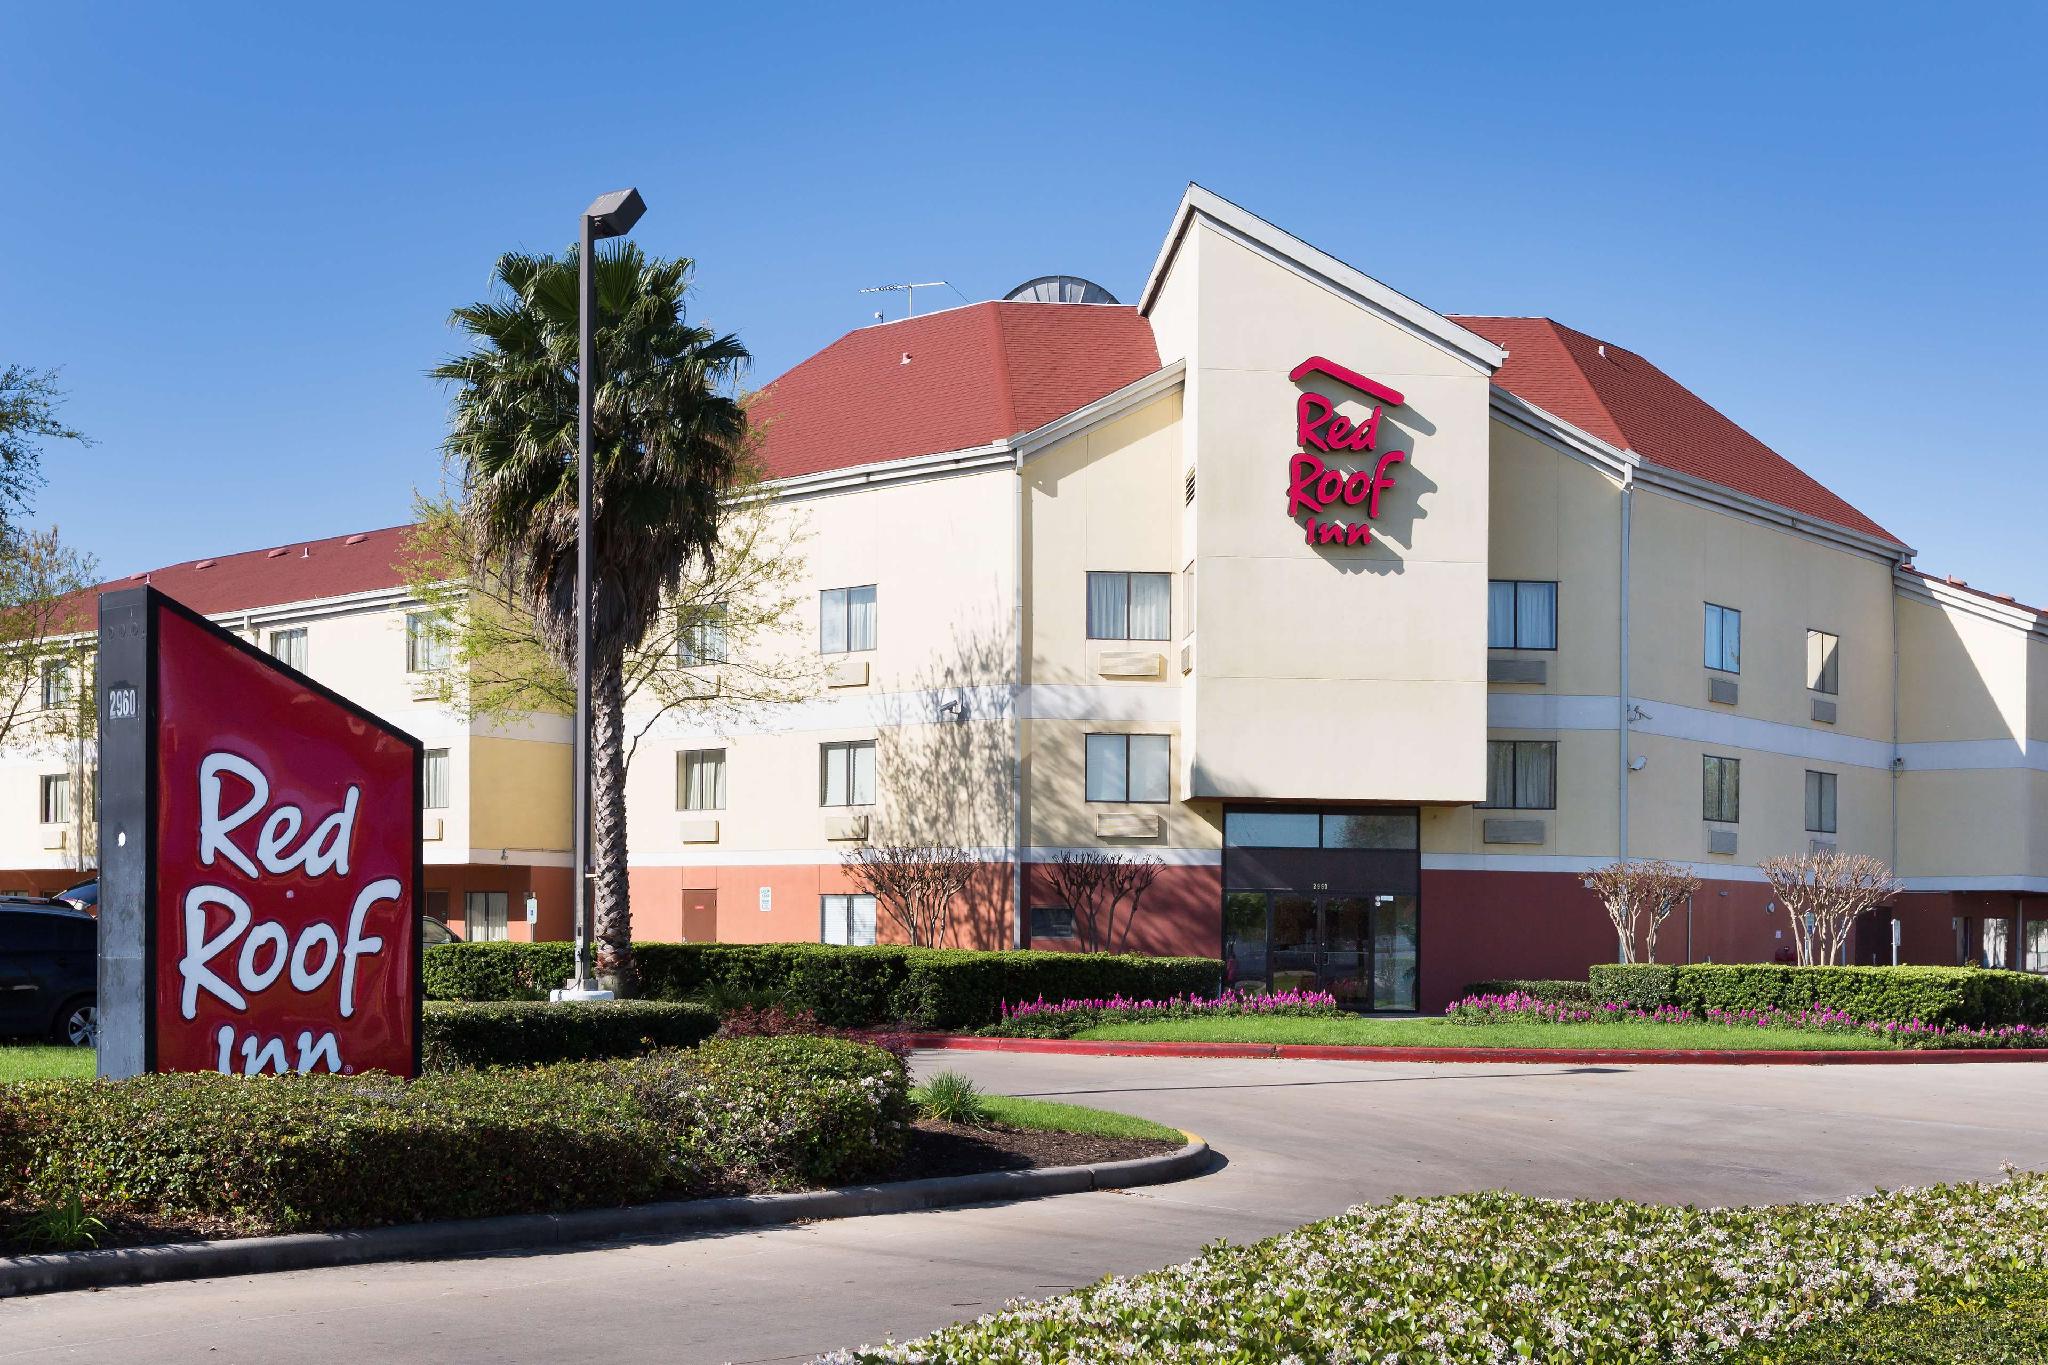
point(49, 971)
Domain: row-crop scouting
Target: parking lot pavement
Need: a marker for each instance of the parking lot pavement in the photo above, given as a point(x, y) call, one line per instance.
point(1300, 1140)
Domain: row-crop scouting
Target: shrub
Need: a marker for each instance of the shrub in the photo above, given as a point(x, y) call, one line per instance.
point(530, 1033)
point(1931, 995)
point(950, 1097)
point(1634, 985)
point(946, 988)
point(1548, 991)
point(1065, 1018)
point(289, 1153)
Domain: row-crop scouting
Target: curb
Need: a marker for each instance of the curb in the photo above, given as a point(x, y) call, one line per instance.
point(1311, 1052)
point(470, 1236)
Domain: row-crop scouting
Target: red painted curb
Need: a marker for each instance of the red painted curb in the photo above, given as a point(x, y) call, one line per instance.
point(1348, 1053)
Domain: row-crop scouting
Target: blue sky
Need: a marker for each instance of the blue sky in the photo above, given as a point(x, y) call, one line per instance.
point(239, 230)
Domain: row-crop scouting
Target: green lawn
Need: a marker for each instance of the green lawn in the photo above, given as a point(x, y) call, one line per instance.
point(1073, 1118)
point(1435, 1032)
point(36, 1063)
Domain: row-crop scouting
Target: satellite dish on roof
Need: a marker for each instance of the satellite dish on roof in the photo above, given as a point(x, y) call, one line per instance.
point(1059, 289)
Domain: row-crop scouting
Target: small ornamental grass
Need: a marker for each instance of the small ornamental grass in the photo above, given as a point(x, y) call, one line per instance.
point(1522, 1008)
point(1042, 1018)
point(1503, 1278)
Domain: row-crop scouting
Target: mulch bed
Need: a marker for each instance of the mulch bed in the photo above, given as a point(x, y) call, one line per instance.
point(934, 1149)
point(952, 1149)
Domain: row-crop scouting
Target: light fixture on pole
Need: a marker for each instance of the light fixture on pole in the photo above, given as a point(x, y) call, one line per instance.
point(609, 215)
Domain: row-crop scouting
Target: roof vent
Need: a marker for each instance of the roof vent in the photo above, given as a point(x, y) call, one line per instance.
point(279, 553)
point(138, 578)
point(305, 552)
point(204, 564)
point(355, 540)
point(1059, 289)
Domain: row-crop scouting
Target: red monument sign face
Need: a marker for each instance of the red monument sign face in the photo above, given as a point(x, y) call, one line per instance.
point(284, 917)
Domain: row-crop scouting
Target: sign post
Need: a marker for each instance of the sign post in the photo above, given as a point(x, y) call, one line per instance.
point(259, 859)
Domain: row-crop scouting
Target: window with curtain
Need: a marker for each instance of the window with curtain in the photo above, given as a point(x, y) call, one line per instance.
point(1052, 921)
point(1820, 803)
point(847, 773)
point(1721, 797)
point(846, 620)
point(2037, 945)
point(700, 780)
point(701, 639)
point(426, 643)
point(288, 647)
point(1822, 662)
point(1996, 937)
point(484, 916)
point(1127, 768)
point(434, 780)
point(56, 802)
point(846, 920)
point(1724, 639)
point(1130, 606)
point(1521, 774)
point(1521, 614)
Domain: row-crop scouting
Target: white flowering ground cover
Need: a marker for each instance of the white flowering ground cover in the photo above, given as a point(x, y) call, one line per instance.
point(1506, 1278)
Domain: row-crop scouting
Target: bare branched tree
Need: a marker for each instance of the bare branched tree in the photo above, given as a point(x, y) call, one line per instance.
point(1824, 893)
point(1094, 885)
point(917, 884)
point(1639, 895)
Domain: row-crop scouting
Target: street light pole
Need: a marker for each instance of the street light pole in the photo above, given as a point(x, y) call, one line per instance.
point(610, 215)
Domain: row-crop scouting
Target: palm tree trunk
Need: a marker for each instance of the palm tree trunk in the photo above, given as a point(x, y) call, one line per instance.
point(613, 908)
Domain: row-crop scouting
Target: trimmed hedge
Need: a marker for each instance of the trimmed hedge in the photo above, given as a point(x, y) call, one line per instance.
point(947, 988)
point(1550, 992)
point(1969, 996)
point(289, 1153)
point(529, 1033)
point(1634, 985)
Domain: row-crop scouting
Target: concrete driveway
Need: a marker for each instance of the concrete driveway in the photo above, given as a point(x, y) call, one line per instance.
point(1302, 1139)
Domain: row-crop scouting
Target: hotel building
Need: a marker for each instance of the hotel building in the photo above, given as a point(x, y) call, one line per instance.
point(1377, 627)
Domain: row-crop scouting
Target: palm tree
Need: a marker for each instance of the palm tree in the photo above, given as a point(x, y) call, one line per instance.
point(666, 440)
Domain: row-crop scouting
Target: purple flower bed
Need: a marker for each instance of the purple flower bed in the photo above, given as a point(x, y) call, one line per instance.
point(1480, 1009)
point(1042, 1018)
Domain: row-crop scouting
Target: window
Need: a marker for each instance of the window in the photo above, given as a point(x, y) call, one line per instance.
point(1521, 615)
point(2037, 945)
point(847, 773)
point(1822, 664)
point(1996, 935)
point(1127, 767)
point(1130, 606)
point(56, 684)
point(846, 920)
point(1722, 799)
point(483, 916)
point(700, 780)
point(1057, 921)
point(1724, 639)
point(56, 804)
point(846, 620)
point(1364, 828)
point(426, 643)
point(434, 780)
point(288, 647)
point(1820, 803)
point(1521, 774)
point(701, 640)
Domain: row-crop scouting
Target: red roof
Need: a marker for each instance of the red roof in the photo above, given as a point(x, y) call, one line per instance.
point(300, 572)
point(1626, 401)
point(947, 381)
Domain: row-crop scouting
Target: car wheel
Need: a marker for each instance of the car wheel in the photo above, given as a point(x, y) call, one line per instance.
point(78, 1023)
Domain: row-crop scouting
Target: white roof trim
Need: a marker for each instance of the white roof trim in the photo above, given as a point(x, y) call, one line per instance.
point(1722, 498)
point(1553, 430)
point(1110, 406)
point(936, 465)
point(1941, 593)
point(1285, 249)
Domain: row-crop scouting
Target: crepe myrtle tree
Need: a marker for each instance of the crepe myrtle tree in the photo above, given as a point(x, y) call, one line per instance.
point(668, 439)
point(1825, 893)
point(917, 885)
point(1639, 895)
point(1093, 885)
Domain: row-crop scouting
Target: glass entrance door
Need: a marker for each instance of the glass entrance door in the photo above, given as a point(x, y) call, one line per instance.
point(1361, 949)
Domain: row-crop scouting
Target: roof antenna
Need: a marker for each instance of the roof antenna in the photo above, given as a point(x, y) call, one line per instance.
point(909, 292)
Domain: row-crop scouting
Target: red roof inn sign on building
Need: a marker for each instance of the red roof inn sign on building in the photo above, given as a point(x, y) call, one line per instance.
point(259, 860)
point(1316, 487)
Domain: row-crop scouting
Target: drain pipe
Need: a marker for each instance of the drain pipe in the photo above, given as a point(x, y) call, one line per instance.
point(1018, 928)
point(1628, 493)
point(1898, 762)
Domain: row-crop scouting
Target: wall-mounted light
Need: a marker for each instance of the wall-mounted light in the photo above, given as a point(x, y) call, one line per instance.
point(1638, 763)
